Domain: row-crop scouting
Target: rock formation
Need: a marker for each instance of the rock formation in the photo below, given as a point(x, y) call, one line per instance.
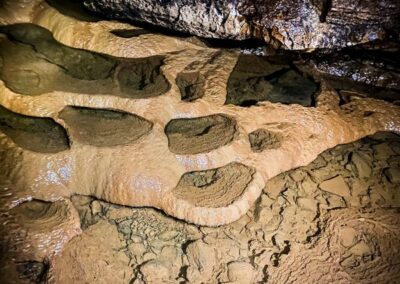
point(121, 129)
point(304, 24)
point(129, 156)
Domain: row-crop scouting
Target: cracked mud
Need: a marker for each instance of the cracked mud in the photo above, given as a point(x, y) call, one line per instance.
point(339, 210)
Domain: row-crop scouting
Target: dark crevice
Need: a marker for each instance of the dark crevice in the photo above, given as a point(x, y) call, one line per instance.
point(273, 79)
point(74, 9)
point(248, 103)
point(326, 6)
point(33, 271)
point(129, 33)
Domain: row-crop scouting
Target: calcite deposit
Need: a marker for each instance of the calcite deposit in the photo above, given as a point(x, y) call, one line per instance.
point(131, 156)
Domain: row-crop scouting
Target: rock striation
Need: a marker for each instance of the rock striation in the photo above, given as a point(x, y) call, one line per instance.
point(304, 24)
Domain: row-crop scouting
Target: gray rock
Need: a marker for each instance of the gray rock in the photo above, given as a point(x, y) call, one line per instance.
point(300, 24)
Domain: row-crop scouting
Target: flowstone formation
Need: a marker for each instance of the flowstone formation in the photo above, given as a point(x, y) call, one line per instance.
point(130, 156)
point(290, 24)
point(35, 63)
point(146, 140)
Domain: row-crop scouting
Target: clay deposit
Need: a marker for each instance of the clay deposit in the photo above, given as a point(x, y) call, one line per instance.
point(130, 156)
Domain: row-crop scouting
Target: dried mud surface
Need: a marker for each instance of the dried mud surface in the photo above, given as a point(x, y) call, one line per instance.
point(104, 128)
point(335, 220)
point(202, 134)
point(210, 188)
point(157, 178)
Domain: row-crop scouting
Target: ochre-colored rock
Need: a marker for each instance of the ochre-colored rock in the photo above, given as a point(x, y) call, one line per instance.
point(173, 138)
point(279, 191)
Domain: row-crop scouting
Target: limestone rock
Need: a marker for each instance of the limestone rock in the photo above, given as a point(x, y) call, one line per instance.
point(301, 24)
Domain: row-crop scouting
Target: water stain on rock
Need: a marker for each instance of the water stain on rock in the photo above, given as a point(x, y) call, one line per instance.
point(36, 134)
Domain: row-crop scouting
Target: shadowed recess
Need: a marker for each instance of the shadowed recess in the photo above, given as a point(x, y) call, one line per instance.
point(218, 187)
point(74, 9)
point(129, 33)
point(34, 63)
point(104, 128)
point(200, 134)
point(33, 271)
point(262, 139)
point(37, 134)
point(367, 70)
point(256, 78)
point(191, 85)
point(34, 212)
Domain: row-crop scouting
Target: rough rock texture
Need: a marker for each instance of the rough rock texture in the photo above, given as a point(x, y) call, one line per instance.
point(104, 128)
point(144, 169)
point(34, 63)
point(295, 232)
point(262, 139)
point(210, 188)
point(200, 134)
point(67, 216)
point(372, 72)
point(301, 24)
point(256, 78)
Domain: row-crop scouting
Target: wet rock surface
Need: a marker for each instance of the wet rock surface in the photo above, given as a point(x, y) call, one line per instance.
point(34, 63)
point(301, 25)
point(273, 196)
